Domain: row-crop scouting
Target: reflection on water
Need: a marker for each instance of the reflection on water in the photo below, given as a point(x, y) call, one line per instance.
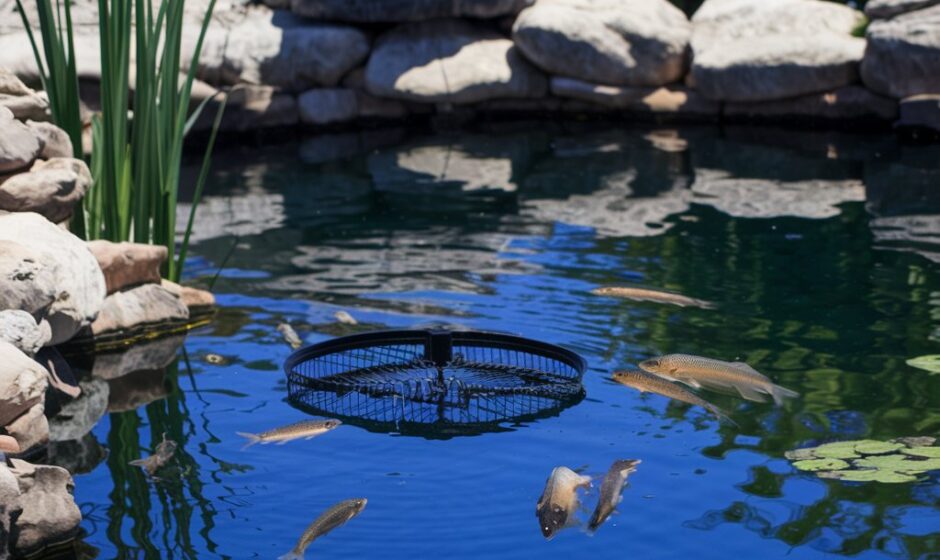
point(819, 249)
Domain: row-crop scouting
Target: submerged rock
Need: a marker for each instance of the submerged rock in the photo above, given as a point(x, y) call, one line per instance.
point(139, 307)
point(136, 389)
point(128, 264)
point(51, 188)
point(78, 456)
point(396, 11)
point(149, 355)
point(903, 54)
point(48, 513)
point(19, 147)
point(617, 42)
point(20, 329)
point(23, 383)
point(449, 61)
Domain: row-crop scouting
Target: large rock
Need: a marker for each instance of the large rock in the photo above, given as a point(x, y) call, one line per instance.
point(128, 264)
point(19, 147)
point(884, 9)
point(137, 389)
point(77, 417)
point(662, 101)
point(23, 383)
point(274, 48)
point(30, 429)
point(78, 456)
point(920, 111)
point(23, 102)
point(51, 188)
point(449, 61)
point(849, 103)
point(193, 298)
point(146, 305)
point(27, 282)
point(49, 513)
point(78, 282)
point(395, 11)
point(327, 106)
point(55, 141)
point(761, 50)
point(20, 329)
point(903, 54)
point(616, 42)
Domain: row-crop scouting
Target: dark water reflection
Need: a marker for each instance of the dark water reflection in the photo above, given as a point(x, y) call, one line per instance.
point(821, 250)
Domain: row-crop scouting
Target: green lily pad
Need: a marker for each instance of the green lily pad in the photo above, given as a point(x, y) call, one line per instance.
point(875, 475)
point(821, 465)
point(929, 363)
point(801, 454)
point(896, 462)
point(929, 452)
point(837, 450)
point(871, 447)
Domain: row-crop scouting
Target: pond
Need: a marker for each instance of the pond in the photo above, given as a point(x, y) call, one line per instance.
point(821, 252)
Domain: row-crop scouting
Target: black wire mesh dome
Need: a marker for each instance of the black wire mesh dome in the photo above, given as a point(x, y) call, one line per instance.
point(422, 381)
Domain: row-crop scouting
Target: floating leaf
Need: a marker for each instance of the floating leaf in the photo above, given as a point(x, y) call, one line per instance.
point(821, 465)
point(837, 450)
point(929, 452)
point(896, 462)
point(929, 363)
point(801, 454)
point(916, 441)
point(871, 447)
point(874, 475)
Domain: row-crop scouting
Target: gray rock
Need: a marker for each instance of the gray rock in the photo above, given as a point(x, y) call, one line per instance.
point(11, 85)
point(51, 188)
point(667, 100)
point(77, 417)
point(78, 282)
point(9, 496)
point(78, 456)
point(30, 429)
point(449, 61)
point(327, 106)
point(23, 383)
point(151, 355)
point(128, 264)
point(137, 389)
point(752, 50)
point(370, 106)
point(34, 106)
point(920, 111)
point(844, 104)
point(49, 513)
point(903, 54)
point(19, 147)
point(55, 141)
point(137, 308)
point(396, 11)
point(616, 42)
point(26, 281)
point(19, 328)
point(274, 48)
point(884, 9)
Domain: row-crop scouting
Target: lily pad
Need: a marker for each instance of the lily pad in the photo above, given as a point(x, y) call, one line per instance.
point(872, 447)
point(801, 454)
point(916, 441)
point(874, 475)
point(924, 451)
point(837, 450)
point(929, 363)
point(896, 462)
point(821, 465)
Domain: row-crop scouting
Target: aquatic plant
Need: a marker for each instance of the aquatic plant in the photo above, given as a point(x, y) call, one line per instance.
point(893, 461)
point(929, 363)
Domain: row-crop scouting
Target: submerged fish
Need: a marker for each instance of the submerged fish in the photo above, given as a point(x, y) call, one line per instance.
point(160, 457)
point(647, 382)
point(290, 335)
point(559, 501)
point(611, 490)
point(696, 371)
point(328, 520)
point(658, 296)
point(306, 429)
point(345, 318)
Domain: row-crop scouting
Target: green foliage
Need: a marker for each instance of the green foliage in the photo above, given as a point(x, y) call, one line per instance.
point(872, 460)
point(929, 363)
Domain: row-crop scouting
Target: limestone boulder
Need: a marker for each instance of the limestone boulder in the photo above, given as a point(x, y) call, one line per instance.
point(327, 106)
point(614, 42)
point(450, 61)
point(76, 278)
point(397, 11)
point(9, 496)
point(884, 9)
point(757, 50)
point(51, 188)
point(128, 264)
point(23, 383)
point(10, 84)
point(19, 147)
point(30, 429)
point(55, 142)
point(903, 54)
point(139, 307)
point(20, 329)
point(27, 282)
point(48, 510)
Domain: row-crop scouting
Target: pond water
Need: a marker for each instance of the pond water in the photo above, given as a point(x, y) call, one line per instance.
point(821, 251)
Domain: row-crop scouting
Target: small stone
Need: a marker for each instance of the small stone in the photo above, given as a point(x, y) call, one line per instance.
point(27, 107)
point(147, 355)
point(26, 280)
point(52, 188)
point(194, 298)
point(11, 85)
point(20, 329)
point(23, 383)
point(327, 106)
point(137, 389)
point(128, 264)
point(19, 147)
point(136, 308)
point(49, 513)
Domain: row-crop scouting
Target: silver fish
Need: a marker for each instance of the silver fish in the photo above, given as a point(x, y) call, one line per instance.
point(330, 519)
point(161, 456)
point(306, 429)
point(657, 296)
point(611, 490)
point(559, 500)
point(650, 383)
point(290, 335)
point(696, 371)
point(345, 318)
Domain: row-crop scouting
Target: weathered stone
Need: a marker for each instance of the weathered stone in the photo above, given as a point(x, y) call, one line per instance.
point(34, 106)
point(617, 42)
point(327, 106)
point(77, 279)
point(19, 147)
point(79, 416)
point(22, 383)
point(49, 513)
point(145, 305)
point(275, 48)
point(884, 9)
point(9, 496)
point(920, 111)
point(11, 85)
point(78, 456)
point(136, 389)
point(252, 107)
point(667, 100)
point(844, 104)
point(449, 61)
point(30, 429)
point(51, 188)
point(8, 444)
point(150, 355)
point(193, 298)
point(55, 141)
point(903, 54)
point(368, 105)
point(754, 50)
point(396, 11)
point(19, 328)
point(128, 264)
point(26, 281)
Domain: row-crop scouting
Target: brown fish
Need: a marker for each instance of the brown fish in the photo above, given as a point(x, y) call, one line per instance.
point(330, 519)
point(559, 500)
point(649, 383)
point(611, 490)
point(657, 296)
point(696, 371)
point(306, 429)
point(161, 456)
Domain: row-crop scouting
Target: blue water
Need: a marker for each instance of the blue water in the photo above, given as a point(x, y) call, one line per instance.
point(821, 250)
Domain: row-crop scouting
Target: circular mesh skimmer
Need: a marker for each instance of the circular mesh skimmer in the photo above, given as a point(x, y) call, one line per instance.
point(434, 379)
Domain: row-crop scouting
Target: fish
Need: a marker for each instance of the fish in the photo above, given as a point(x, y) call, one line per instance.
point(161, 456)
point(345, 318)
point(649, 383)
point(696, 372)
point(657, 296)
point(559, 500)
point(8, 444)
point(290, 335)
point(611, 490)
point(330, 519)
point(306, 429)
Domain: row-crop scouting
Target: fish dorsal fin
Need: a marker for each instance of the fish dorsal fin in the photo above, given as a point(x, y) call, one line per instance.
point(746, 368)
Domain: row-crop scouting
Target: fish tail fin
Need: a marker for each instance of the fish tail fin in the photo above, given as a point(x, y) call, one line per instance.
point(780, 393)
point(292, 555)
point(704, 304)
point(252, 439)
